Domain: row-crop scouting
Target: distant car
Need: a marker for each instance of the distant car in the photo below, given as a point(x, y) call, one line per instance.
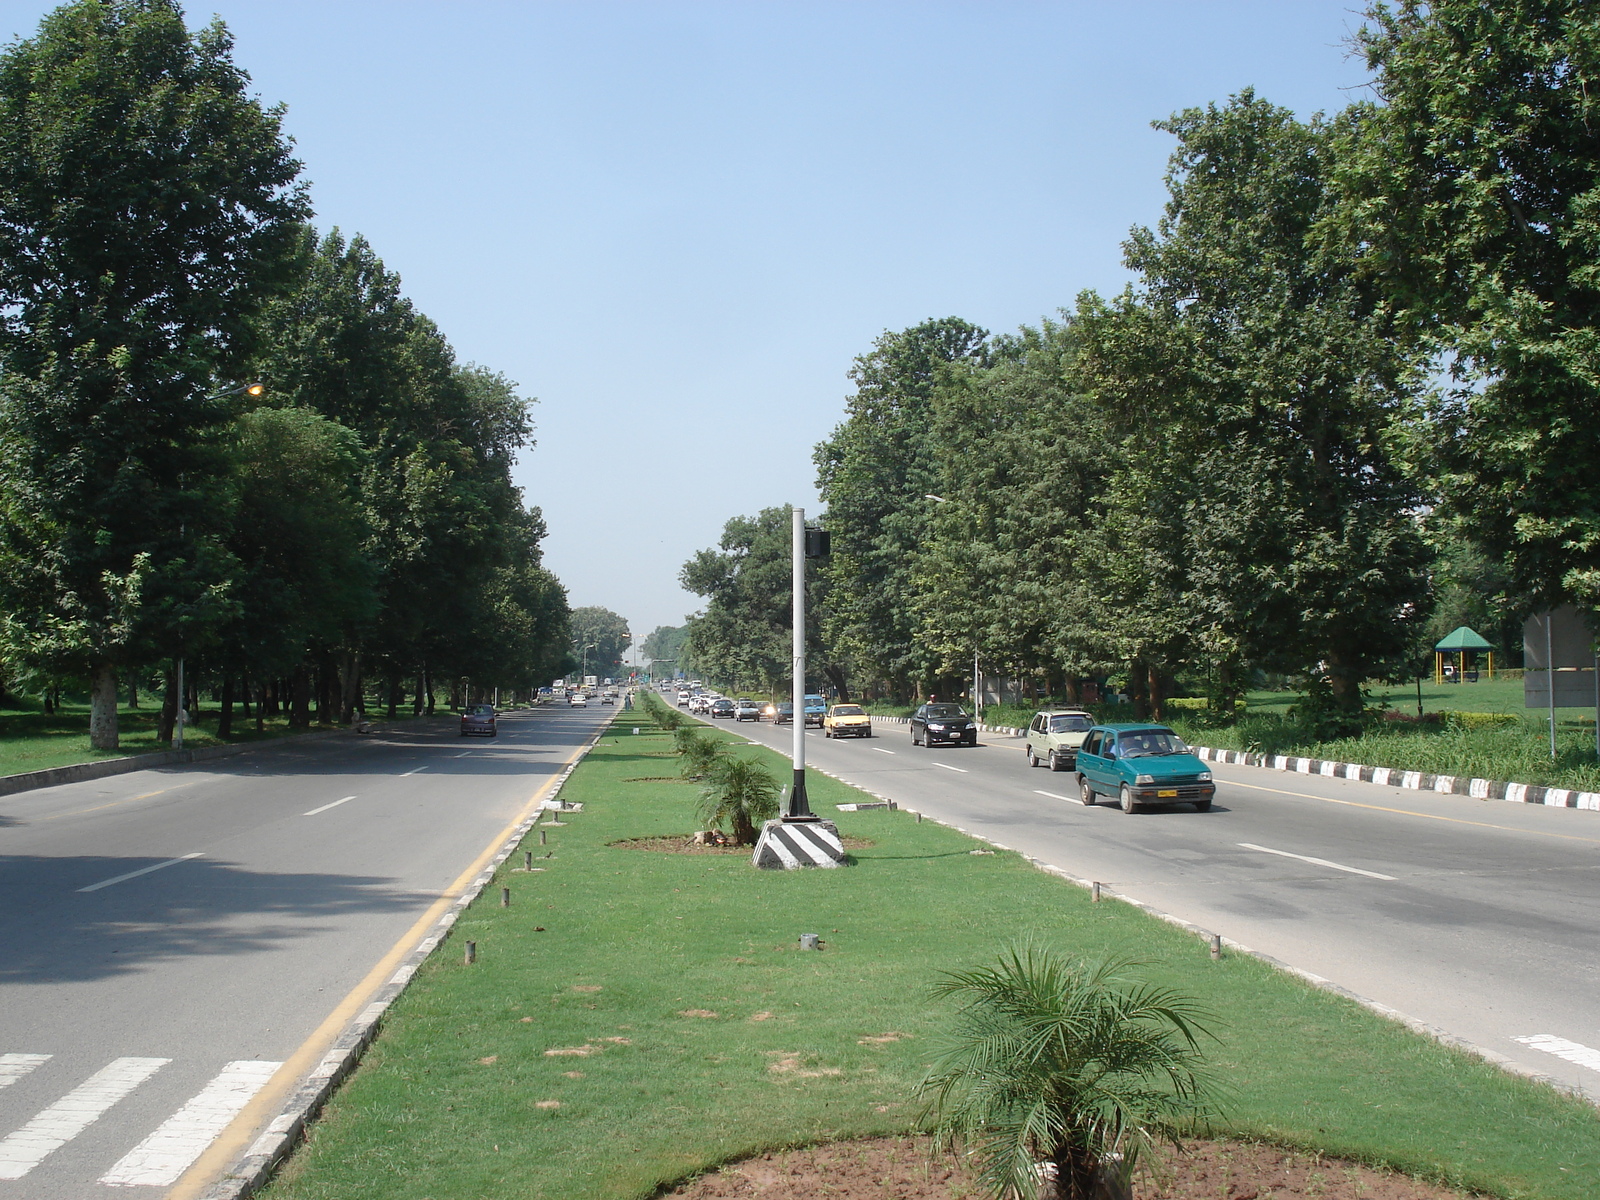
point(479, 721)
point(781, 714)
point(578, 700)
point(722, 708)
point(1054, 736)
point(943, 723)
point(1142, 764)
point(847, 720)
point(747, 710)
point(683, 699)
point(608, 698)
point(816, 709)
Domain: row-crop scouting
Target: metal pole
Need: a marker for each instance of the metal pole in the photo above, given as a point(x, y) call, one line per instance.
point(1550, 675)
point(799, 808)
point(977, 693)
point(177, 736)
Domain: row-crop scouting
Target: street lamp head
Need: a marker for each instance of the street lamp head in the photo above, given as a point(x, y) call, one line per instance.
point(255, 389)
point(937, 499)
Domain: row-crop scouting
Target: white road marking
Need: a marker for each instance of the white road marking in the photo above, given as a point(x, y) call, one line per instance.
point(172, 1148)
point(326, 807)
point(948, 767)
point(171, 862)
point(1573, 1052)
point(413, 771)
point(1321, 862)
point(69, 1116)
point(463, 754)
point(1052, 795)
point(881, 750)
point(14, 1066)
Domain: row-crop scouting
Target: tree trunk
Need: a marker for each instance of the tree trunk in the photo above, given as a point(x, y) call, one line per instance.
point(133, 689)
point(840, 683)
point(351, 691)
point(419, 703)
point(225, 713)
point(1138, 685)
point(300, 711)
point(1158, 695)
point(396, 695)
point(103, 707)
point(261, 706)
point(427, 684)
point(169, 710)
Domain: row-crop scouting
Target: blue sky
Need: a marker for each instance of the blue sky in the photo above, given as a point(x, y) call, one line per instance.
point(675, 224)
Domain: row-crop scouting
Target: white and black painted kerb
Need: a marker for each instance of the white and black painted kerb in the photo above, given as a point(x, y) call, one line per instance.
point(1445, 785)
point(786, 845)
point(256, 1167)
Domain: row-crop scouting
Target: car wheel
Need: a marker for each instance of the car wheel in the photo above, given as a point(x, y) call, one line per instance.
point(868, 733)
point(1085, 792)
point(1056, 762)
point(1127, 799)
point(1033, 759)
point(1202, 806)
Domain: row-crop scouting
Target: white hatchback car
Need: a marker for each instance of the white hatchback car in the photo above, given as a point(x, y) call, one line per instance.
point(578, 700)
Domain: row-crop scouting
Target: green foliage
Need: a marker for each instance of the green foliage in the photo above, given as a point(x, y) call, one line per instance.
point(1064, 1062)
point(605, 633)
point(741, 794)
point(698, 754)
point(1477, 720)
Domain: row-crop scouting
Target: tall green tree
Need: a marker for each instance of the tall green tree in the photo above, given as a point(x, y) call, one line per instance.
point(146, 204)
point(1472, 192)
point(874, 473)
point(605, 632)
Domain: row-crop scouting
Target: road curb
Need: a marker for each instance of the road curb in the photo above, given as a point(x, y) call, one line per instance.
point(302, 1107)
point(1417, 781)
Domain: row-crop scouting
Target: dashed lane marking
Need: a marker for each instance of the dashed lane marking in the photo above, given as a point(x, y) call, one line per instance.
point(1320, 862)
point(413, 771)
point(1573, 1052)
point(181, 1138)
point(171, 862)
point(948, 767)
point(326, 807)
point(69, 1116)
point(1052, 795)
point(881, 750)
point(14, 1066)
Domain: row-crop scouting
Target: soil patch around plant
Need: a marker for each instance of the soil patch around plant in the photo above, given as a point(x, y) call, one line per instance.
point(901, 1169)
point(685, 844)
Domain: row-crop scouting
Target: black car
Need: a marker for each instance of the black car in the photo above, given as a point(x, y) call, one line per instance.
point(943, 723)
point(722, 708)
point(781, 714)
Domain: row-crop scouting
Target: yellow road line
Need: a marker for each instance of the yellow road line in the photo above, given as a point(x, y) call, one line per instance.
point(1406, 812)
point(236, 1139)
point(79, 812)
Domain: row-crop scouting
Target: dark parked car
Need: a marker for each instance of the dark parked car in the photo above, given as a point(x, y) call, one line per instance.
point(722, 708)
point(479, 720)
point(943, 723)
point(780, 714)
point(1142, 764)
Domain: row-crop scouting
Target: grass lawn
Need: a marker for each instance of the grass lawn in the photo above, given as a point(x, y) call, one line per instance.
point(635, 1017)
point(30, 740)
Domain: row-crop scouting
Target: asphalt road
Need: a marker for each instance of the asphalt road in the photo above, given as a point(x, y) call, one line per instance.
point(168, 937)
point(1479, 917)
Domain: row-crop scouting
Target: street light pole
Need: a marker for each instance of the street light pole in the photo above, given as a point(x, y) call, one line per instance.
point(799, 804)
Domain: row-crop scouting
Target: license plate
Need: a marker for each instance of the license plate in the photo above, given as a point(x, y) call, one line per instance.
point(1168, 792)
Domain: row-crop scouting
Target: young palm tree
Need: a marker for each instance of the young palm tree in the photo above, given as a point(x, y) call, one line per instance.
point(697, 754)
point(742, 793)
point(1055, 1061)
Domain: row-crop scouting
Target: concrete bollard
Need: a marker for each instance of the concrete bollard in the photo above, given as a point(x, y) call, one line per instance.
point(1094, 892)
point(505, 897)
point(808, 941)
point(472, 953)
point(1216, 945)
point(542, 840)
point(527, 860)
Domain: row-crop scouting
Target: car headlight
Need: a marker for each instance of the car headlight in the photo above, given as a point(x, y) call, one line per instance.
point(1143, 779)
point(1204, 776)
point(931, 725)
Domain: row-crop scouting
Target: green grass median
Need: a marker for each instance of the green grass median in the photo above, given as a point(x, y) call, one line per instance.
point(636, 1016)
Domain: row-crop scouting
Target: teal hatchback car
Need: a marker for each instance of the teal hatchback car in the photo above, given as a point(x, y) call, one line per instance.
point(1142, 764)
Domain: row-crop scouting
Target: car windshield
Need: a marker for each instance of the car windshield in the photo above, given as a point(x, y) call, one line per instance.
point(945, 710)
point(1144, 743)
point(785, 708)
point(1071, 723)
point(483, 710)
point(847, 710)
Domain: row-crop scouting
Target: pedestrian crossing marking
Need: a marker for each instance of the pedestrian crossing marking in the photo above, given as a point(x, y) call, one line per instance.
point(14, 1066)
point(69, 1116)
point(167, 1153)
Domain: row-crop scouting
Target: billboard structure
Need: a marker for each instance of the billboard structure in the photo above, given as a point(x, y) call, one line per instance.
point(1562, 668)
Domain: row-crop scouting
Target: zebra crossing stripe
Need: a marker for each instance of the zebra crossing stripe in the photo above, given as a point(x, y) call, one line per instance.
point(1573, 1052)
point(14, 1066)
point(69, 1116)
point(168, 1152)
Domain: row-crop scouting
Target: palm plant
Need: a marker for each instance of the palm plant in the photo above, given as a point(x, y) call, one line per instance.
point(1064, 1068)
point(741, 793)
point(697, 754)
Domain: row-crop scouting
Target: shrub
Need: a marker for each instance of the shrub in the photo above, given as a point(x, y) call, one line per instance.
point(1058, 1061)
point(697, 753)
point(741, 794)
point(1476, 720)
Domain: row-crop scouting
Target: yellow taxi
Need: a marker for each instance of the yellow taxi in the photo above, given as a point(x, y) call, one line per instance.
point(847, 720)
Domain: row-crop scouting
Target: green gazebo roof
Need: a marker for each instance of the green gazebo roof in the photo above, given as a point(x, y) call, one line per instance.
point(1462, 638)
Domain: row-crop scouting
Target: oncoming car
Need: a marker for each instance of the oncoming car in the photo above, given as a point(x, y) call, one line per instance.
point(943, 723)
point(722, 708)
point(747, 710)
point(1142, 764)
point(846, 720)
point(479, 720)
point(1054, 737)
point(816, 709)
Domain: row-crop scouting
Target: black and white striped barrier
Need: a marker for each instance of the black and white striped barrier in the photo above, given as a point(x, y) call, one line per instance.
point(784, 847)
point(1418, 781)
